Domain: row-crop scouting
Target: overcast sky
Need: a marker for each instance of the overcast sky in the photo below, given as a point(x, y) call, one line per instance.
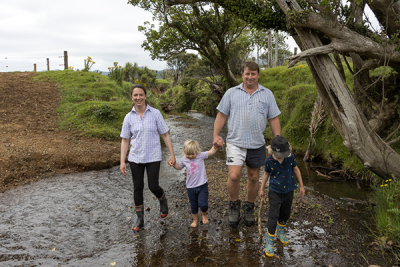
point(105, 30)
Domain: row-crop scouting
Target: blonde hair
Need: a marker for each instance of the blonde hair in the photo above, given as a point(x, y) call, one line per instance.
point(191, 147)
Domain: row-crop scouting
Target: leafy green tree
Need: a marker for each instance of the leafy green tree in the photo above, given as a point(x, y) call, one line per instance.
point(207, 29)
point(146, 76)
point(179, 64)
point(260, 42)
point(364, 116)
point(240, 52)
point(130, 72)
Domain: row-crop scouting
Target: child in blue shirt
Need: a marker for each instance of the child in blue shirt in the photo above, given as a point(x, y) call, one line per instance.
point(196, 178)
point(279, 168)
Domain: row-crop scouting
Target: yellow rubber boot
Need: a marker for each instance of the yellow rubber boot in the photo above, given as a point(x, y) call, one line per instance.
point(269, 248)
point(280, 229)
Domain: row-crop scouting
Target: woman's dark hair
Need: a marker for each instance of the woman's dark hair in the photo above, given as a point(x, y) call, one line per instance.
point(144, 90)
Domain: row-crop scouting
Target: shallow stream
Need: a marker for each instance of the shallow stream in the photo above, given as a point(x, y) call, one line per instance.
point(85, 219)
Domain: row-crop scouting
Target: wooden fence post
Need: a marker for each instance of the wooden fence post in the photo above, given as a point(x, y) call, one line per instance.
point(34, 67)
point(65, 60)
point(295, 51)
point(48, 64)
point(269, 49)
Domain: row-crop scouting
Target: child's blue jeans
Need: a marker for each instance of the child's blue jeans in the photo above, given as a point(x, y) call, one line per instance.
point(280, 206)
point(198, 198)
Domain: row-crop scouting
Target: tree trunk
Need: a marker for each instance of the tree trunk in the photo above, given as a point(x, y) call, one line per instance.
point(354, 128)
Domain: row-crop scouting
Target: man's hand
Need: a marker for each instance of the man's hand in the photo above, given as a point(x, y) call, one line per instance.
point(218, 142)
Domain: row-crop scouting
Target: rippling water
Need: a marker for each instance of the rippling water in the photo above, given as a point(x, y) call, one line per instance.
point(85, 219)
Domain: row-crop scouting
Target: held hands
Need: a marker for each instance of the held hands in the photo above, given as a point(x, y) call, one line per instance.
point(218, 142)
point(171, 161)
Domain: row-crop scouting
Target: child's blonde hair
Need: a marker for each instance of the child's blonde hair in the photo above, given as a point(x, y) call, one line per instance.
point(191, 147)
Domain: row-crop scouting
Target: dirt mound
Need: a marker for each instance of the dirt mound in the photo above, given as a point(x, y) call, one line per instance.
point(32, 146)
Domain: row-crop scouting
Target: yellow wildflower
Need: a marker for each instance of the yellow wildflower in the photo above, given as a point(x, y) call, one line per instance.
point(385, 184)
point(386, 181)
point(381, 185)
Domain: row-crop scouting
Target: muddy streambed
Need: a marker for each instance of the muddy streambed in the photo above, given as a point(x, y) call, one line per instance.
point(85, 219)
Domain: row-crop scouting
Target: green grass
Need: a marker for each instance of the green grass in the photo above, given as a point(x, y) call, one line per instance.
point(386, 213)
point(92, 104)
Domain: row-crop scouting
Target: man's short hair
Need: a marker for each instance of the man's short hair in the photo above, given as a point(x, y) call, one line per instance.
point(251, 66)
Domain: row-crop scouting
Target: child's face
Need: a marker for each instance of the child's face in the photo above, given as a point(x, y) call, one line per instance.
point(277, 158)
point(193, 156)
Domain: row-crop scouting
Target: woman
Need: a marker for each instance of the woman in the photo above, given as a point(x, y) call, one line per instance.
point(143, 127)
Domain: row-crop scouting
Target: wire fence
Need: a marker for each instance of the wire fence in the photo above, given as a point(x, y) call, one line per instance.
point(16, 63)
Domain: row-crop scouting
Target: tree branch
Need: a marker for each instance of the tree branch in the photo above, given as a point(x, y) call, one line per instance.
point(322, 50)
point(390, 135)
point(346, 40)
point(348, 65)
point(394, 141)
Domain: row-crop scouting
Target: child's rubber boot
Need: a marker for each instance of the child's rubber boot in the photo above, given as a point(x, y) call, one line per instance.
point(280, 229)
point(269, 248)
point(140, 219)
point(163, 206)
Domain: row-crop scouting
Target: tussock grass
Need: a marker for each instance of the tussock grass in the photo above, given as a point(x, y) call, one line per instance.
point(386, 213)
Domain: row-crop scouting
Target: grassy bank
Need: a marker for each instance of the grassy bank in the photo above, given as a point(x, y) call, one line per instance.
point(92, 104)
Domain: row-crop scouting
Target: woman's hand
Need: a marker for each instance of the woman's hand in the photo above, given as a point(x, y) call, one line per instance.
point(122, 167)
point(171, 161)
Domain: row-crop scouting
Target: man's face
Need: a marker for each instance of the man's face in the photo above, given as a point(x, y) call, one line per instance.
point(250, 78)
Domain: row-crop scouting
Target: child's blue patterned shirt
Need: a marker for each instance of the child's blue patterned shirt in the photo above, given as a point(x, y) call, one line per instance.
point(281, 176)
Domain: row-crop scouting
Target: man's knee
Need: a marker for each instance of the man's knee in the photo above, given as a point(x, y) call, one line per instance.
point(234, 178)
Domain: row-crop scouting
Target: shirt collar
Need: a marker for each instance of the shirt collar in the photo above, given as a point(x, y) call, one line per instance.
point(148, 108)
point(260, 87)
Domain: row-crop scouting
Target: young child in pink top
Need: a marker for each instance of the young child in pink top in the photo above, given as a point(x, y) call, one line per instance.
point(196, 178)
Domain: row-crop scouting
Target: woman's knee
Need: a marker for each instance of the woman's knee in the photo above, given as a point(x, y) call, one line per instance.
point(138, 187)
point(156, 190)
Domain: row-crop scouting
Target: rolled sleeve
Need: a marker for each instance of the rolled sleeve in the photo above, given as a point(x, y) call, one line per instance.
point(161, 125)
point(224, 105)
point(273, 109)
point(125, 130)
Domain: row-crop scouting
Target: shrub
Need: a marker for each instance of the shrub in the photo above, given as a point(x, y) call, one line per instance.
point(104, 113)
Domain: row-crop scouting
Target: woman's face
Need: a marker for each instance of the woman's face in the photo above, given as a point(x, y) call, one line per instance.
point(139, 97)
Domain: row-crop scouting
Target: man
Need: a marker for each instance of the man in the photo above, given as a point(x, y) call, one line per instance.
point(249, 106)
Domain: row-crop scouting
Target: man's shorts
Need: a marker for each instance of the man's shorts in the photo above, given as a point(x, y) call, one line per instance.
point(254, 158)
